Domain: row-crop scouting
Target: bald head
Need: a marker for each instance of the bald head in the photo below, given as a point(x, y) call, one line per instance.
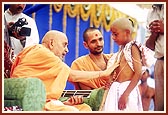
point(56, 42)
point(123, 24)
point(53, 34)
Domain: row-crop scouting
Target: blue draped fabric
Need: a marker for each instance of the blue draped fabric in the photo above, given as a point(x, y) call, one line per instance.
point(31, 9)
point(42, 19)
point(83, 26)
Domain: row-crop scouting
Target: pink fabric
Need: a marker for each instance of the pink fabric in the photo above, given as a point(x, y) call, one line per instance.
point(8, 55)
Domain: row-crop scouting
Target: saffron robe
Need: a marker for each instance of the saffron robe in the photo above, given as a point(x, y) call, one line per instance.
point(85, 63)
point(39, 62)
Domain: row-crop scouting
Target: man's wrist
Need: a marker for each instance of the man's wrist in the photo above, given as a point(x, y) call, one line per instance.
point(154, 35)
point(23, 42)
point(23, 39)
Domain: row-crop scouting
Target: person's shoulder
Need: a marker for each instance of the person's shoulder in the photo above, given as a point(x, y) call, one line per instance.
point(150, 10)
point(81, 58)
point(151, 82)
point(6, 11)
point(108, 55)
point(27, 17)
point(135, 46)
point(44, 52)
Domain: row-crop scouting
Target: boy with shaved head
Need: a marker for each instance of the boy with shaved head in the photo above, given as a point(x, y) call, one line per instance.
point(44, 61)
point(123, 94)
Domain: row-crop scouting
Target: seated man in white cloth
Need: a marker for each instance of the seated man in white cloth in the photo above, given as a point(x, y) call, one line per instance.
point(123, 94)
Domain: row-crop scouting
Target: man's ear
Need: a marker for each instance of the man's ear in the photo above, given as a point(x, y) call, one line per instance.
point(128, 31)
point(51, 44)
point(85, 45)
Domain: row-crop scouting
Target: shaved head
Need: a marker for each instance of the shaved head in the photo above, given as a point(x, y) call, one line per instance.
point(56, 42)
point(123, 24)
point(53, 34)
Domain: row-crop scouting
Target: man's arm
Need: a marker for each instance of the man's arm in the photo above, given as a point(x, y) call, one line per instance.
point(150, 43)
point(76, 75)
point(156, 27)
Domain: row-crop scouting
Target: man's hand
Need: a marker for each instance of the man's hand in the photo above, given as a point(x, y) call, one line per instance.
point(109, 71)
point(122, 102)
point(74, 100)
point(14, 33)
point(157, 26)
point(17, 36)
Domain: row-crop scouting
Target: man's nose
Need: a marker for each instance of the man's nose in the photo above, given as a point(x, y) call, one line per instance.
point(99, 43)
point(113, 37)
point(66, 49)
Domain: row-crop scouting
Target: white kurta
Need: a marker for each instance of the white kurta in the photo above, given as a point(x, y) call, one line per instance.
point(30, 40)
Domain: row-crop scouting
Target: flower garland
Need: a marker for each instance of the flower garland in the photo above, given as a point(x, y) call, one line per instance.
point(98, 13)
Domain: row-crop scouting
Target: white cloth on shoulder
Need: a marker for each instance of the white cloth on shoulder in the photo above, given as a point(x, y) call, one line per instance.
point(128, 54)
point(143, 49)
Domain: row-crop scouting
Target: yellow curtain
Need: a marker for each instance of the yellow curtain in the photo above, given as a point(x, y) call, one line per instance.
point(99, 14)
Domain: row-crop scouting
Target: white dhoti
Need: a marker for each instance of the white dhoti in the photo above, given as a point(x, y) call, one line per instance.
point(134, 102)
